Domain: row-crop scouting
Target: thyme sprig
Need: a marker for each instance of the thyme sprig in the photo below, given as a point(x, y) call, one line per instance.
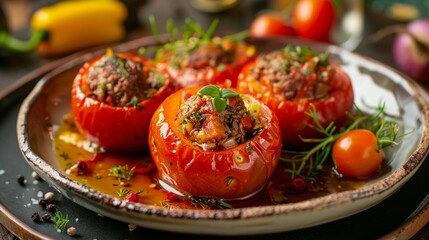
point(306, 163)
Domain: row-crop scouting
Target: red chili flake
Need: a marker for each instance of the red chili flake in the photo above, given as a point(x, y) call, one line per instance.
point(172, 197)
point(82, 167)
point(299, 184)
point(145, 166)
point(132, 197)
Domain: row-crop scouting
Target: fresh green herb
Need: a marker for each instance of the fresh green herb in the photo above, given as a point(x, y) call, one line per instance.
point(122, 192)
point(190, 36)
point(208, 202)
point(301, 54)
point(103, 86)
point(65, 156)
point(121, 172)
point(139, 191)
point(312, 160)
point(219, 96)
point(134, 102)
point(249, 148)
point(98, 176)
point(60, 221)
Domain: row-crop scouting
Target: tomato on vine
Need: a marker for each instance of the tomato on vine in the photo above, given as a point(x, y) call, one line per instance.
point(356, 153)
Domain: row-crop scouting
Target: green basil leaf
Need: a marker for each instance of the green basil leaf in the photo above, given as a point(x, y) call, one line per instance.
point(219, 104)
point(226, 93)
point(210, 90)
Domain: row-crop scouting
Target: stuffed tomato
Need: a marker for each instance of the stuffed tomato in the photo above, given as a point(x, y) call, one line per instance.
point(290, 81)
point(198, 62)
point(213, 142)
point(114, 97)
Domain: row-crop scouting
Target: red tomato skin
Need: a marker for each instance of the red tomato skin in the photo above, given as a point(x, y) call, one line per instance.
point(314, 19)
point(294, 122)
point(229, 174)
point(116, 129)
point(266, 25)
point(225, 76)
point(355, 154)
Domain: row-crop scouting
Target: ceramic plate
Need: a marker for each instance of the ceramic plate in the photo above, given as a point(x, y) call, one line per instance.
point(371, 80)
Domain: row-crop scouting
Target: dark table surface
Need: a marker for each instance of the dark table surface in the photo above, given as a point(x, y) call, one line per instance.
point(15, 67)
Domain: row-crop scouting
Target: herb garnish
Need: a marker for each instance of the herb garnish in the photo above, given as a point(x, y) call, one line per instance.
point(219, 96)
point(134, 102)
point(60, 220)
point(121, 172)
point(189, 36)
point(301, 54)
point(122, 192)
point(312, 160)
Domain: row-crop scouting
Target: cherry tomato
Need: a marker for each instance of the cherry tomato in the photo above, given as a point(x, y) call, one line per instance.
point(314, 19)
point(355, 153)
point(266, 25)
point(292, 114)
point(230, 173)
point(114, 128)
point(211, 63)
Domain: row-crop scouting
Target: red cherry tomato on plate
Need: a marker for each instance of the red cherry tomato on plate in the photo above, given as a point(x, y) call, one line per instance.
point(355, 153)
point(266, 25)
point(314, 19)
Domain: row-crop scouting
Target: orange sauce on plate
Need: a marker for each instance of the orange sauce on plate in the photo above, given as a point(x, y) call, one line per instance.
point(71, 147)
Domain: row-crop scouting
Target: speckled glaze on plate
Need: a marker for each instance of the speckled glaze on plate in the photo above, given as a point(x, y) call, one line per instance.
point(371, 80)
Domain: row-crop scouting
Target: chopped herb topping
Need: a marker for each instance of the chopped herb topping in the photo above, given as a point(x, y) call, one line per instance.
point(121, 172)
point(122, 192)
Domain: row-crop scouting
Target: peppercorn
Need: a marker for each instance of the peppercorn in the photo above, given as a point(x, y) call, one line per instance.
point(47, 217)
point(49, 196)
point(35, 217)
point(52, 208)
point(43, 203)
point(21, 179)
point(71, 231)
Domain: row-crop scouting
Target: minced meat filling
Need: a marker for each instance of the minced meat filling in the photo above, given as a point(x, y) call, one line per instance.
point(122, 82)
point(204, 55)
point(294, 75)
point(212, 130)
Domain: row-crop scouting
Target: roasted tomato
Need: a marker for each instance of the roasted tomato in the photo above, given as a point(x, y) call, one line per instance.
point(289, 81)
point(199, 62)
point(212, 142)
point(114, 97)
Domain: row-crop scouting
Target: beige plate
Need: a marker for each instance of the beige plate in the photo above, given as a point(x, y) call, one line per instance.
point(372, 81)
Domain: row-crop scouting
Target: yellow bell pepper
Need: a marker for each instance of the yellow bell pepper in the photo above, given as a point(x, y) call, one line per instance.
point(74, 25)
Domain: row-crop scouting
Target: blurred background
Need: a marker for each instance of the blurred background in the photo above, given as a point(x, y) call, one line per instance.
point(355, 25)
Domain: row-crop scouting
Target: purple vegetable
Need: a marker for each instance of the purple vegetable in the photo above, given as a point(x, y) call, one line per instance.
point(411, 50)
